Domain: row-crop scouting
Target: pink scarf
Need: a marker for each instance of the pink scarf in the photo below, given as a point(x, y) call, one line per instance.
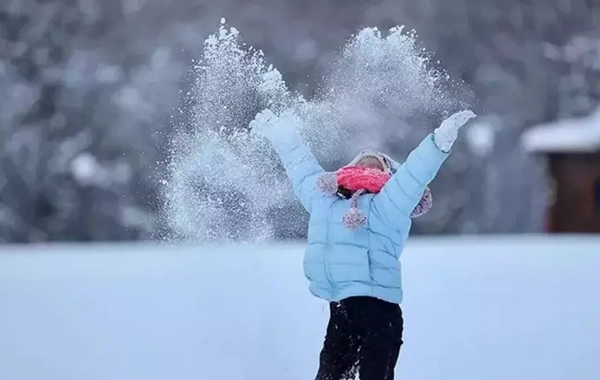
point(360, 180)
point(355, 178)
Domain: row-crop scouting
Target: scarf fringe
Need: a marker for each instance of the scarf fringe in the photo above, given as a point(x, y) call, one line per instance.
point(355, 218)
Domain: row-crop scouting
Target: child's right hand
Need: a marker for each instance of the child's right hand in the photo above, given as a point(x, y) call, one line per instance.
point(268, 124)
point(263, 122)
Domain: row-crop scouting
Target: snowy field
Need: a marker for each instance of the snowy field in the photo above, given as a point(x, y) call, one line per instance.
point(475, 309)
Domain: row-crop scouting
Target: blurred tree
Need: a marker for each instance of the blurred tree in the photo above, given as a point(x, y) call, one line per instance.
point(80, 141)
point(88, 91)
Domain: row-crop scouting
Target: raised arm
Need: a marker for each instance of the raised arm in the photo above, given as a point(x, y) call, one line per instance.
point(404, 190)
point(301, 167)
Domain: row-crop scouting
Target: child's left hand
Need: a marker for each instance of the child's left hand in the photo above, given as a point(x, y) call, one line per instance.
point(447, 132)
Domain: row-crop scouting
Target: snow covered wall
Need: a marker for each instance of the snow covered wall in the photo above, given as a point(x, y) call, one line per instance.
point(475, 309)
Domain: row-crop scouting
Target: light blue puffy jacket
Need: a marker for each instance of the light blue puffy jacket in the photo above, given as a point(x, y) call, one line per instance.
point(339, 262)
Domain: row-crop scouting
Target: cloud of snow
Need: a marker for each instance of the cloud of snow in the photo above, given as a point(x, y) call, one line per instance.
point(223, 182)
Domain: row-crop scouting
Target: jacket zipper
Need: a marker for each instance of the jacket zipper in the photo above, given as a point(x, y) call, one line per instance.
point(327, 252)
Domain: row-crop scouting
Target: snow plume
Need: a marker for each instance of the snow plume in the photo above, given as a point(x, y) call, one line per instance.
point(224, 183)
point(377, 88)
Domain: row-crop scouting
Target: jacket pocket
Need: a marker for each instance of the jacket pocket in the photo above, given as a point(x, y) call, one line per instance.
point(314, 265)
point(385, 270)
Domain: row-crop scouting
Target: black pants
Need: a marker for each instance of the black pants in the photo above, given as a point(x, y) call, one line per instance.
point(364, 334)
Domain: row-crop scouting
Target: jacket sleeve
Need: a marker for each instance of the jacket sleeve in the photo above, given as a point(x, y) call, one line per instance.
point(404, 190)
point(301, 167)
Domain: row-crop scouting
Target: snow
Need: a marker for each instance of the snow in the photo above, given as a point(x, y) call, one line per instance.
point(567, 135)
point(475, 308)
point(212, 156)
point(481, 137)
point(84, 168)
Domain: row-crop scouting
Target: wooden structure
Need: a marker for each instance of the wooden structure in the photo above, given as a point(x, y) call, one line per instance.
point(572, 148)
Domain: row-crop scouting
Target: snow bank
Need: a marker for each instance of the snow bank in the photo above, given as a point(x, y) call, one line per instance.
point(475, 309)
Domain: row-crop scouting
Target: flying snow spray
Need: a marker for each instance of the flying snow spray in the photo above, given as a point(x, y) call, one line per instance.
point(227, 185)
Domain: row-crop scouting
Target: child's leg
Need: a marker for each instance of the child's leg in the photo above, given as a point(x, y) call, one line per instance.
point(378, 360)
point(339, 355)
point(382, 339)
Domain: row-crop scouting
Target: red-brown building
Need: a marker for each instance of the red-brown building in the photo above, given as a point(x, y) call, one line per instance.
point(572, 148)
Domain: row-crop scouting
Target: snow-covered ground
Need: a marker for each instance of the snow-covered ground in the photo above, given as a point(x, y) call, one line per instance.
point(475, 309)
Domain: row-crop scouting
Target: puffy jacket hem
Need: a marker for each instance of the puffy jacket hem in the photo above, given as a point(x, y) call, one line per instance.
point(393, 295)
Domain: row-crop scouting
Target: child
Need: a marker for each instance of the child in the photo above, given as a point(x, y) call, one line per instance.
point(360, 218)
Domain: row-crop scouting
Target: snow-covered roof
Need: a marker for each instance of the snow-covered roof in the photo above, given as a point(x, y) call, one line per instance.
point(567, 135)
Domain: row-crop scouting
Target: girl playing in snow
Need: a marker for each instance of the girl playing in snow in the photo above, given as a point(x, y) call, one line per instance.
point(360, 217)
